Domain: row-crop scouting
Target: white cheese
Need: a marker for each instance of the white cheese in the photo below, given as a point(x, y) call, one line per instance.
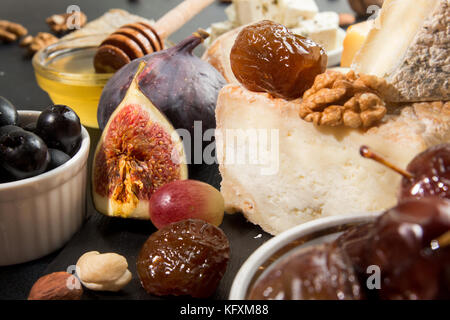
point(219, 28)
point(230, 11)
point(297, 10)
point(249, 11)
point(409, 46)
point(312, 172)
point(323, 29)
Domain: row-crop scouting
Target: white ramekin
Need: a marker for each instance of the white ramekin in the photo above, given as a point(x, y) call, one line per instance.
point(265, 254)
point(40, 214)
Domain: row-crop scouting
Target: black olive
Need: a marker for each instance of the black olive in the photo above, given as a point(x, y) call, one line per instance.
point(8, 113)
point(22, 154)
point(57, 158)
point(60, 128)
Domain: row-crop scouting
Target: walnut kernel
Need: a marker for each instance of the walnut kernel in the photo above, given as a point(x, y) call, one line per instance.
point(350, 100)
point(11, 31)
point(40, 41)
point(58, 22)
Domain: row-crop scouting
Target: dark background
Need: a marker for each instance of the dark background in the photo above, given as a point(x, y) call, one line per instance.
point(17, 84)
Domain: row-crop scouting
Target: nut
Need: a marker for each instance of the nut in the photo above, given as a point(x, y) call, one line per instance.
point(61, 23)
point(40, 41)
point(350, 100)
point(25, 42)
point(103, 272)
point(11, 31)
point(56, 286)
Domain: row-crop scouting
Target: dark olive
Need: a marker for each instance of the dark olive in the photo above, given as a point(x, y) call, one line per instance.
point(5, 176)
point(22, 154)
point(57, 158)
point(30, 127)
point(60, 128)
point(8, 113)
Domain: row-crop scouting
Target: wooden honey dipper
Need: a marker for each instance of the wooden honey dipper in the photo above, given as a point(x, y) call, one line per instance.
point(136, 40)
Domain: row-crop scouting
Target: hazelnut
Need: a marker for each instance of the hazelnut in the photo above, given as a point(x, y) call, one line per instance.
point(103, 272)
point(56, 286)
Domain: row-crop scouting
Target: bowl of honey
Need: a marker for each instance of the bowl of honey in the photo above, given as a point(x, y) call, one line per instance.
point(65, 70)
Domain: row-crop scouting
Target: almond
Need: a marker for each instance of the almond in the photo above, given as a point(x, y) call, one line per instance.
point(56, 286)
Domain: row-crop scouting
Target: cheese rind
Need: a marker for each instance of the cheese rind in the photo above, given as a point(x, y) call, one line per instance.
point(320, 172)
point(409, 46)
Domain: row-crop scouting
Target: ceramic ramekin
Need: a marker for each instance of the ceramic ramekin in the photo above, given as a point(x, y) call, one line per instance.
point(40, 214)
point(310, 233)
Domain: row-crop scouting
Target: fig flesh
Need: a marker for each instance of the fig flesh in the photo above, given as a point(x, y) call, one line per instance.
point(179, 84)
point(138, 152)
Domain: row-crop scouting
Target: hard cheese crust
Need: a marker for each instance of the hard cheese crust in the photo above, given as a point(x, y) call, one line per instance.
point(320, 172)
point(424, 74)
point(409, 46)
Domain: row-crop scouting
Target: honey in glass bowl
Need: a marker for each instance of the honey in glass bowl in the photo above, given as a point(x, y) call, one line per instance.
point(65, 70)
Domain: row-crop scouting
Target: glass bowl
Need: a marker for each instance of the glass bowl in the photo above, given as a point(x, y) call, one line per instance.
point(310, 233)
point(65, 70)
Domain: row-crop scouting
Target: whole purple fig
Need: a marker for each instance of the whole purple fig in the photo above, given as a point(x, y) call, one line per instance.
point(178, 83)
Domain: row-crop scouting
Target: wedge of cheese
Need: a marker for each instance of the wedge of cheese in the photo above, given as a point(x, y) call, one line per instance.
point(249, 11)
point(295, 10)
point(281, 171)
point(354, 39)
point(323, 29)
point(409, 45)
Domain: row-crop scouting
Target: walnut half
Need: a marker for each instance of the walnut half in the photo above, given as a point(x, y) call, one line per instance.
point(338, 99)
point(61, 23)
point(11, 31)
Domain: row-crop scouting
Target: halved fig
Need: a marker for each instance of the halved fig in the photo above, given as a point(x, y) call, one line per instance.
point(139, 151)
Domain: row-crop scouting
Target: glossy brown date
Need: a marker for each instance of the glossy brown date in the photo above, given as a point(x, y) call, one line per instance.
point(266, 57)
